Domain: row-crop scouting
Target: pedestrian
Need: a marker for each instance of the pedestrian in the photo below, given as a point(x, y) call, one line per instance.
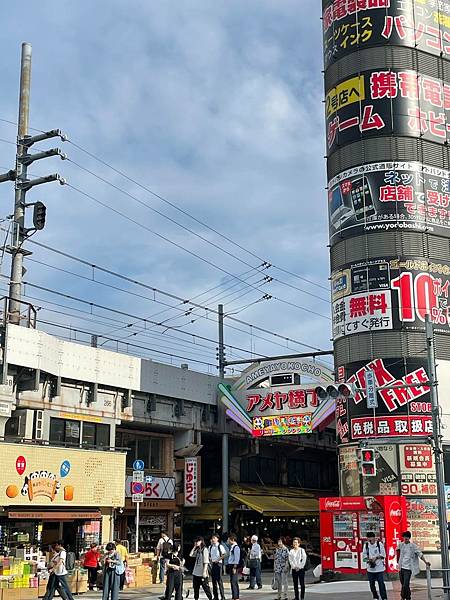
point(91, 562)
point(234, 560)
point(217, 553)
point(408, 555)
point(375, 558)
point(281, 569)
point(58, 571)
point(297, 561)
point(175, 565)
point(164, 549)
point(254, 563)
point(200, 570)
point(112, 570)
point(123, 553)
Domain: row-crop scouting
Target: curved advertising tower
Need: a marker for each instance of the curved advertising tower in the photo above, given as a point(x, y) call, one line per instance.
point(387, 85)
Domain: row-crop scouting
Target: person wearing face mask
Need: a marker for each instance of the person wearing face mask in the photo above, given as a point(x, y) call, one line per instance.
point(297, 560)
point(113, 568)
point(200, 570)
point(175, 566)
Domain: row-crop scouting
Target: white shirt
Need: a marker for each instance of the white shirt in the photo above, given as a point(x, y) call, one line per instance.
point(409, 557)
point(255, 551)
point(159, 545)
point(216, 551)
point(59, 563)
point(297, 559)
point(372, 551)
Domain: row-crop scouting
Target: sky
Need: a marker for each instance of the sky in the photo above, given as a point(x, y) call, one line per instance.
point(216, 107)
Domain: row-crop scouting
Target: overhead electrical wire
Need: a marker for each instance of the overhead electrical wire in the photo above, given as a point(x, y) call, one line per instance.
point(174, 206)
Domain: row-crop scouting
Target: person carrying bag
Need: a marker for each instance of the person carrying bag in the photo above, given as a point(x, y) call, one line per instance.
point(113, 569)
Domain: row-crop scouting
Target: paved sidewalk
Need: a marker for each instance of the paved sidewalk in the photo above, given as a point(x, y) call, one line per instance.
point(340, 590)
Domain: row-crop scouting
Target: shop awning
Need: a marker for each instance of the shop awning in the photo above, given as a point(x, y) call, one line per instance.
point(211, 508)
point(276, 501)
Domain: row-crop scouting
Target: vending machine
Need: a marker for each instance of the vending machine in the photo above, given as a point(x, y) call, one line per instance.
point(345, 522)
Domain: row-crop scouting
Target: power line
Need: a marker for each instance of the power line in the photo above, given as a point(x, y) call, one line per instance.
point(187, 214)
point(191, 231)
point(176, 207)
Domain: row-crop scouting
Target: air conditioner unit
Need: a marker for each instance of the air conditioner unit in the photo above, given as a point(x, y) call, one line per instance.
point(39, 425)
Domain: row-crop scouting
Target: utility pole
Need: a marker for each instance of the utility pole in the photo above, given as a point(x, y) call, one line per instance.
point(225, 449)
point(23, 184)
point(438, 456)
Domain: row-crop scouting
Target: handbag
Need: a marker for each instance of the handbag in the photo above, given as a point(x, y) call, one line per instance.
point(253, 563)
point(245, 571)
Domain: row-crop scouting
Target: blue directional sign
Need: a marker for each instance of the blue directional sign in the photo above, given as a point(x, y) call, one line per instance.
point(138, 465)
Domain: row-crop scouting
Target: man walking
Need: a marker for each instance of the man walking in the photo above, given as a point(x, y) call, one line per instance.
point(217, 553)
point(375, 558)
point(254, 562)
point(408, 555)
point(163, 552)
point(234, 558)
point(58, 574)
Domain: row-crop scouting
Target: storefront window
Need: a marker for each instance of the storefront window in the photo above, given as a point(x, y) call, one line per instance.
point(64, 431)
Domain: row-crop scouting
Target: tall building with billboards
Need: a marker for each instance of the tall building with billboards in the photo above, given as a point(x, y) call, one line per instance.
point(387, 85)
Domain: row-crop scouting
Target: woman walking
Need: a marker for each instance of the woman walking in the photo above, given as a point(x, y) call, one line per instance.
point(91, 562)
point(200, 570)
point(297, 561)
point(175, 574)
point(281, 569)
point(113, 568)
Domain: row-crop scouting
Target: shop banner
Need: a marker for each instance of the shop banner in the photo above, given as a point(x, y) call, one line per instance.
point(350, 25)
point(423, 521)
point(403, 412)
point(282, 425)
point(192, 485)
point(36, 476)
point(396, 294)
point(389, 196)
point(418, 473)
point(388, 102)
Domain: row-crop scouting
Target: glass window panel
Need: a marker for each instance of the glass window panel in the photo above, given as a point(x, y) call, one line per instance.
point(57, 430)
point(72, 432)
point(143, 450)
point(102, 438)
point(89, 434)
point(156, 454)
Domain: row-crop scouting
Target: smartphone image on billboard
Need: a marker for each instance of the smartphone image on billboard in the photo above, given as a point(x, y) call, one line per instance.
point(361, 199)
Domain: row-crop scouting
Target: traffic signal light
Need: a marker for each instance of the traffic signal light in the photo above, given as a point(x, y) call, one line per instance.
point(39, 213)
point(333, 391)
point(368, 462)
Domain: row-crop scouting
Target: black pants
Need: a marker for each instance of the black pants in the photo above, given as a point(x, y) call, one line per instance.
point(373, 579)
point(234, 581)
point(217, 582)
point(174, 582)
point(122, 580)
point(405, 578)
point(299, 576)
point(92, 577)
point(203, 582)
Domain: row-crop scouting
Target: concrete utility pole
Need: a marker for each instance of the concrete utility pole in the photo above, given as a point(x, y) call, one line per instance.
point(225, 450)
point(23, 184)
point(438, 456)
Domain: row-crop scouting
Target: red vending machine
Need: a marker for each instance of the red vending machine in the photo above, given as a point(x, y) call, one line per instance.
point(345, 522)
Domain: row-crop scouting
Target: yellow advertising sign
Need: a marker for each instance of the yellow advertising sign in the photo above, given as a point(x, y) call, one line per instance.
point(38, 475)
point(346, 93)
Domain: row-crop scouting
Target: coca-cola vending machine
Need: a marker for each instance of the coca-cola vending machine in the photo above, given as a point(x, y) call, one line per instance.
point(345, 522)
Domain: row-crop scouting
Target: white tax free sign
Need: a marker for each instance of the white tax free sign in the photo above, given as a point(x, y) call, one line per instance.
point(192, 486)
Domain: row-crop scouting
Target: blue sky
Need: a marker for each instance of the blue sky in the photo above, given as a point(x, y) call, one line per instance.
point(217, 106)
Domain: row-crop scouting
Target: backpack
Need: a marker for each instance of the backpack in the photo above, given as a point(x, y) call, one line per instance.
point(166, 549)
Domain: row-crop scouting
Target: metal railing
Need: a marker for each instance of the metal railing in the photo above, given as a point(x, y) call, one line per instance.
point(27, 316)
point(444, 588)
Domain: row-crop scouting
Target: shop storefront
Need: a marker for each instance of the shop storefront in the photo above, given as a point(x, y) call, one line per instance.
point(158, 512)
point(50, 493)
